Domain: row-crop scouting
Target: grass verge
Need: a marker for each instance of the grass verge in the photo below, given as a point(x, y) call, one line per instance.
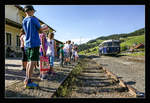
point(68, 85)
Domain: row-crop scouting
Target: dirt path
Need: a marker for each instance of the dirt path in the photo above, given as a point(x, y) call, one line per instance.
point(14, 76)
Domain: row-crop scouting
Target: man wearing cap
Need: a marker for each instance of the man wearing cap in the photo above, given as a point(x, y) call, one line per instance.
point(32, 27)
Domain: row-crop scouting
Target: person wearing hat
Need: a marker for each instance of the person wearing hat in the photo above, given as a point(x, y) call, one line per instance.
point(32, 27)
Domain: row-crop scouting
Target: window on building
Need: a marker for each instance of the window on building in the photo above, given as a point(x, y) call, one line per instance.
point(17, 40)
point(8, 37)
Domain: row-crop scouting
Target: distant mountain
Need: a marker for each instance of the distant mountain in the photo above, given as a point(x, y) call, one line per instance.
point(95, 42)
point(117, 36)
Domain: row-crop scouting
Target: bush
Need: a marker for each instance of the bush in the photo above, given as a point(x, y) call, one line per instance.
point(124, 48)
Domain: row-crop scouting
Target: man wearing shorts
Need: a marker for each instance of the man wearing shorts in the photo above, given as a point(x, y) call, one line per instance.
point(32, 27)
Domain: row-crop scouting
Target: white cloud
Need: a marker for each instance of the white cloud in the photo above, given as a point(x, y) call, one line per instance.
point(80, 40)
point(77, 39)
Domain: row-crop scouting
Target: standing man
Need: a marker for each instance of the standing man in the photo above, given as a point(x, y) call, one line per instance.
point(32, 27)
point(70, 50)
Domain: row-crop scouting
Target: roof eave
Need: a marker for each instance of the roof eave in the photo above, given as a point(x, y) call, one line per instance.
point(12, 23)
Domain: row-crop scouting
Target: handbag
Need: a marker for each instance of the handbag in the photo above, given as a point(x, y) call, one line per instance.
point(44, 63)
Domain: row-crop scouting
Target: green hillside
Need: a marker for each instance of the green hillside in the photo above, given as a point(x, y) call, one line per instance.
point(127, 40)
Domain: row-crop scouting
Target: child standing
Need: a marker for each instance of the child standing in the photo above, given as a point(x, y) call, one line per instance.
point(76, 55)
point(61, 55)
point(22, 46)
point(31, 26)
point(51, 52)
point(43, 48)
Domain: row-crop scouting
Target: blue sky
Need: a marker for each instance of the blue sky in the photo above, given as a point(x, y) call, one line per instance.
point(81, 23)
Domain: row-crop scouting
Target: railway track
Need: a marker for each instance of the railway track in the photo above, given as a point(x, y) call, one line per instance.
point(96, 82)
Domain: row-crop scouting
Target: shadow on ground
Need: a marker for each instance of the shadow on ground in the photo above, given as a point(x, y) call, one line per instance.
point(130, 83)
point(13, 74)
point(115, 55)
point(13, 65)
point(47, 89)
point(14, 94)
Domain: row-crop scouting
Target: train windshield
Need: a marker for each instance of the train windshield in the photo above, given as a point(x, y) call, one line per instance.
point(111, 44)
point(116, 44)
point(108, 44)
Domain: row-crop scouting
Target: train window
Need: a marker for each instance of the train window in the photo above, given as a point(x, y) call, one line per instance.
point(109, 43)
point(105, 44)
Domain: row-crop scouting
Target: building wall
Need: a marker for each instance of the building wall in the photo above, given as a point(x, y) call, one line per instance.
point(11, 12)
point(14, 32)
